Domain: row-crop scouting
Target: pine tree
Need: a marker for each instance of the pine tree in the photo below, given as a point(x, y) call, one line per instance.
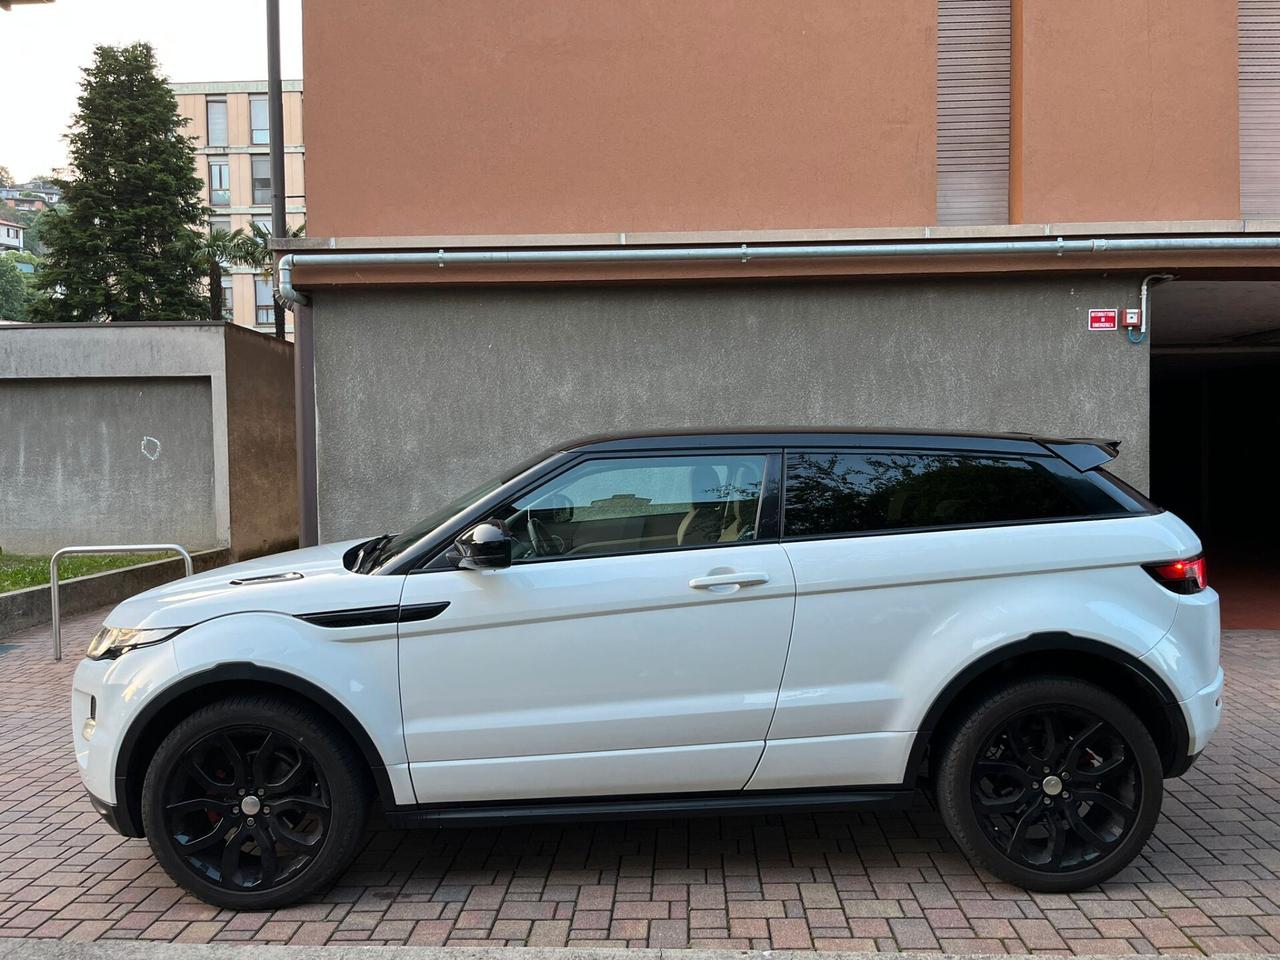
point(122, 245)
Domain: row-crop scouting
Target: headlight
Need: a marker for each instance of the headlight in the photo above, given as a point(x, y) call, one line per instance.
point(113, 641)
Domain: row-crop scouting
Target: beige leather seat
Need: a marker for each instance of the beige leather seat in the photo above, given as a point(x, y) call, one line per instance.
point(725, 518)
point(704, 523)
point(740, 514)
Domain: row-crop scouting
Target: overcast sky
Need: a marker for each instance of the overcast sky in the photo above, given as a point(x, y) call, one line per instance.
point(45, 46)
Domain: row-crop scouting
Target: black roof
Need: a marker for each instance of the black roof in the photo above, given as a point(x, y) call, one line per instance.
point(1083, 452)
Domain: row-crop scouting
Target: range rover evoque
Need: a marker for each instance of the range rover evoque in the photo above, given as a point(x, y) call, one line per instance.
point(666, 624)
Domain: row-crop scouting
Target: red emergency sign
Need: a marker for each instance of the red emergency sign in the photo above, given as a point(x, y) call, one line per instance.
point(1107, 318)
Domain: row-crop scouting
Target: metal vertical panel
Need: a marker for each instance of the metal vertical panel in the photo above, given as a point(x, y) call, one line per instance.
point(973, 111)
point(1259, 27)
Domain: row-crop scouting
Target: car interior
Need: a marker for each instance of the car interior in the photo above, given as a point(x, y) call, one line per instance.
point(718, 503)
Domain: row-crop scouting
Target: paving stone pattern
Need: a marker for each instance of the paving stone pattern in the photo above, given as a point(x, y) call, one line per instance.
point(1209, 882)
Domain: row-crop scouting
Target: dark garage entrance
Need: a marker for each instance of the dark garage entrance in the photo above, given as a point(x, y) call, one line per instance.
point(1215, 428)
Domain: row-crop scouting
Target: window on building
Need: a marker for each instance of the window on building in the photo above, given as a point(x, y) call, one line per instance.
point(263, 222)
point(830, 493)
point(974, 57)
point(259, 119)
point(265, 300)
point(220, 223)
point(219, 182)
point(261, 178)
point(216, 115)
point(228, 298)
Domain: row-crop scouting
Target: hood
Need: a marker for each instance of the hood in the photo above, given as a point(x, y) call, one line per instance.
point(311, 580)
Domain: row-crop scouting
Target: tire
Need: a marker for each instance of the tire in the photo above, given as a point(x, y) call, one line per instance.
point(208, 795)
point(1077, 825)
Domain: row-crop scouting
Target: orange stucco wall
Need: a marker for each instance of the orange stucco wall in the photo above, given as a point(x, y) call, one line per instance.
point(502, 116)
point(1124, 110)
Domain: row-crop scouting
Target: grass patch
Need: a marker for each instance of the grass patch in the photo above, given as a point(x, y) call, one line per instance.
point(18, 571)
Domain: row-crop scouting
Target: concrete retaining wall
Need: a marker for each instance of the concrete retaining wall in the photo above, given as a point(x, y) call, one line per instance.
point(20, 609)
point(423, 393)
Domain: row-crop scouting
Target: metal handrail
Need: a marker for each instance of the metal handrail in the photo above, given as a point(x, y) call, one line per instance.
point(112, 548)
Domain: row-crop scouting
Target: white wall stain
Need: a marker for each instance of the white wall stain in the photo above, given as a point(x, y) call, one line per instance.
point(151, 448)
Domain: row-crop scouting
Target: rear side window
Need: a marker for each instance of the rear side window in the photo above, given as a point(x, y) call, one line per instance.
point(834, 492)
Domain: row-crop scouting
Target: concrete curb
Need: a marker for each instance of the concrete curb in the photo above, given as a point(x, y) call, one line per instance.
point(20, 609)
point(134, 950)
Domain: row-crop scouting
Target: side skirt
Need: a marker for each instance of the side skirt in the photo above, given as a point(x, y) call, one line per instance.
point(628, 808)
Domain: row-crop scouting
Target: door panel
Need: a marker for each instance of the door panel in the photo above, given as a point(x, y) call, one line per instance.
point(589, 668)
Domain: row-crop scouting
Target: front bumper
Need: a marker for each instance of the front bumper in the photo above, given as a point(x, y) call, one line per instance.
point(117, 817)
point(106, 697)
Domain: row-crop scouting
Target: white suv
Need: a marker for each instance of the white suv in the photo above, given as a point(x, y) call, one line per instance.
point(750, 621)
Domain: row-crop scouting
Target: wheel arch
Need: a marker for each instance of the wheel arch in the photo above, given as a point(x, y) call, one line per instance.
point(1115, 670)
point(181, 699)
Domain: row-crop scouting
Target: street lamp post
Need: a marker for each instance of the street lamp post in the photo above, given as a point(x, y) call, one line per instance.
point(275, 110)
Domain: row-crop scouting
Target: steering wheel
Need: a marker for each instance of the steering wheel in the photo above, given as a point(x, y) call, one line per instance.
point(544, 543)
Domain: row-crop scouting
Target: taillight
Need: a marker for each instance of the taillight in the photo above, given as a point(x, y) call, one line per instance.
point(1180, 576)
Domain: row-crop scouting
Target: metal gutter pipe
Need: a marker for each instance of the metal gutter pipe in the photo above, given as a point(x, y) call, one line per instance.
point(746, 252)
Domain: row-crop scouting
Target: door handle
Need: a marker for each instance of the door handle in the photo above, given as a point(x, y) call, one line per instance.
point(728, 580)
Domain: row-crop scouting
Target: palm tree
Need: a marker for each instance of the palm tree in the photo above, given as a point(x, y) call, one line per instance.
point(218, 248)
point(253, 249)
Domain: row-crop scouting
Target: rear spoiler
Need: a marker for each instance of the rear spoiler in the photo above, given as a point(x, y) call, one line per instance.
point(1084, 453)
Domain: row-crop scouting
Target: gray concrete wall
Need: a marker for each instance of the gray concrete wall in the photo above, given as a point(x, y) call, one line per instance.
point(129, 350)
point(423, 393)
point(261, 454)
point(122, 461)
point(78, 403)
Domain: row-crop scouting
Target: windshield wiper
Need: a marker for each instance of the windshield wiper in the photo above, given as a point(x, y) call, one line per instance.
point(370, 549)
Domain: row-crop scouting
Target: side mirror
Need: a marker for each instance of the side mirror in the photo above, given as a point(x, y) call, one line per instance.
point(486, 546)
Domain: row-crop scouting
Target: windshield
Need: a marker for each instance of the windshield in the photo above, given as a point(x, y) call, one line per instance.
point(393, 544)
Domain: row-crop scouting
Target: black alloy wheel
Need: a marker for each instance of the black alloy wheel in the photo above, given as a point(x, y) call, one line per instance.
point(254, 802)
point(1053, 784)
point(1056, 788)
point(247, 808)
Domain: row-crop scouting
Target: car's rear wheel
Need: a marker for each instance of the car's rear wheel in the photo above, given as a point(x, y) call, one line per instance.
point(1051, 783)
point(254, 802)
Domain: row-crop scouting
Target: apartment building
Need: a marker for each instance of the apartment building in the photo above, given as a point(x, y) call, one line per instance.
point(926, 213)
point(34, 197)
point(10, 235)
point(229, 122)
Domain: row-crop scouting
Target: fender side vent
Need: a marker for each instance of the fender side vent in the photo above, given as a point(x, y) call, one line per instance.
point(358, 617)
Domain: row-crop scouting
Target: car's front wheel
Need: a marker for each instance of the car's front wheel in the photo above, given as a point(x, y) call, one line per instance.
point(254, 802)
point(1052, 784)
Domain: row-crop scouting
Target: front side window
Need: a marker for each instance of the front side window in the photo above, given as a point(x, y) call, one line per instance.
point(261, 178)
point(829, 493)
point(219, 182)
point(634, 504)
point(259, 119)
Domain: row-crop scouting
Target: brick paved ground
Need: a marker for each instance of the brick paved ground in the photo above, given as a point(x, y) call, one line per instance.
point(1208, 882)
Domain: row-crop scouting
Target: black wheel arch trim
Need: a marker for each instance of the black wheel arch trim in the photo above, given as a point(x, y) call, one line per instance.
point(129, 821)
point(1176, 763)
